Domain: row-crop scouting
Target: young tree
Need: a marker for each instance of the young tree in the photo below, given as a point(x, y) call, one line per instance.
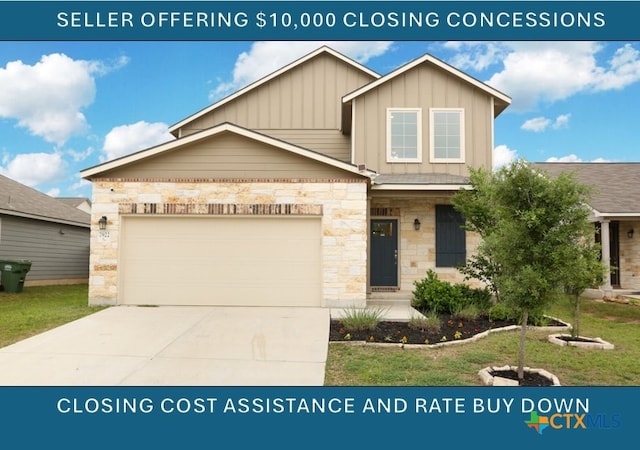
point(477, 207)
point(586, 271)
point(531, 225)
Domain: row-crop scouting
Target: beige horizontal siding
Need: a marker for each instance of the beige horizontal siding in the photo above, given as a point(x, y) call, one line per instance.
point(228, 156)
point(328, 142)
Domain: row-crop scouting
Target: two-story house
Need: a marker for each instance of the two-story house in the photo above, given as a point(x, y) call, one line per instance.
point(316, 185)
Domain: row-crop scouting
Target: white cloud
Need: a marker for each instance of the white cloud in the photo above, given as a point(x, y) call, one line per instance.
point(536, 124)
point(567, 158)
point(573, 158)
point(126, 139)
point(503, 155)
point(539, 124)
point(266, 57)
point(547, 72)
point(562, 121)
point(80, 155)
point(47, 98)
point(32, 169)
point(624, 69)
point(54, 192)
point(80, 184)
point(477, 56)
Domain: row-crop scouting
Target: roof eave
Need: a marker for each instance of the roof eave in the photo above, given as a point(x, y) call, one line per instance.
point(8, 212)
point(95, 171)
point(421, 187)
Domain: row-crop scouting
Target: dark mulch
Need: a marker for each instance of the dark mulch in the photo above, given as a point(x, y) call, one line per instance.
point(393, 332)
point(530, 378)
point(576, 339)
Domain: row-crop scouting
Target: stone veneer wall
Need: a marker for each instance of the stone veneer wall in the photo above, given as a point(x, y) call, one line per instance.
point(629, 255)
point(417, 249)
point(342, 204)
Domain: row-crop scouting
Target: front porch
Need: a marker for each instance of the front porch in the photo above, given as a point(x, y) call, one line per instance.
point(622, 253)
point(411, 233)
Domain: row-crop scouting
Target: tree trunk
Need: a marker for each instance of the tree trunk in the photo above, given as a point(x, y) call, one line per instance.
point(575, 330)
point(523, 335)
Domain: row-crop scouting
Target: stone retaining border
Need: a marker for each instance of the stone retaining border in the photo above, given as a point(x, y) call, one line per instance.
point(599, 344)
point(455, 342)
point(490, 380)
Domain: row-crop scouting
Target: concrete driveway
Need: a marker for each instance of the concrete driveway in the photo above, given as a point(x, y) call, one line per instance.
point(175, 346)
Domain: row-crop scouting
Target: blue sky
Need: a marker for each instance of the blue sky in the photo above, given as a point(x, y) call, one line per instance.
point(66, 106)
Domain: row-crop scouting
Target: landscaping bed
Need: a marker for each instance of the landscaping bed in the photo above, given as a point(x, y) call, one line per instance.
point(451, 330)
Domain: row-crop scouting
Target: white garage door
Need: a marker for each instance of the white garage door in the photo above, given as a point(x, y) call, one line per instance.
point(248, 261)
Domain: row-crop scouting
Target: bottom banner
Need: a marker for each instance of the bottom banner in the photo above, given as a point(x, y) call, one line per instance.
point(316, 417)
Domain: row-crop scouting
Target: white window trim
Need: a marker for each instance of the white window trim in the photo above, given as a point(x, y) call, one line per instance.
point(418, 158)
point(432, 156)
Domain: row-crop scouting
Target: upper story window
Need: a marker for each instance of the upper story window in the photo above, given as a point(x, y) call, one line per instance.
point(447, 135)
point(404, 135)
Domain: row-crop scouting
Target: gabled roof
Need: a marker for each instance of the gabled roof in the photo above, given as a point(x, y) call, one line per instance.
point(19, 200)
point(173, 129)
point(74, 201)
point(501, 100)
point(96, 171)
point(616, 185)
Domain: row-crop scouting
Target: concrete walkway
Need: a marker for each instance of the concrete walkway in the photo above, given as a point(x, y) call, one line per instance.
point(175, 346)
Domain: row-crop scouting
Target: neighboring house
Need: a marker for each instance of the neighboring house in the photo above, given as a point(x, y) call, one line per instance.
point(316, 185)
point(39, 228)
point(616, 212)
point(83, 204)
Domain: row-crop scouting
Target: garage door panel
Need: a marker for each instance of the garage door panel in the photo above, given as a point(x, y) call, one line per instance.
point(221, 261)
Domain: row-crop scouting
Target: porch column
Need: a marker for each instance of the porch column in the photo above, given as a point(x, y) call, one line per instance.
point(606, 256)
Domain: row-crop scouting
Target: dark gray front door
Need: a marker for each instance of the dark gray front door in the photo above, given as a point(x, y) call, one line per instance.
point(384, 253)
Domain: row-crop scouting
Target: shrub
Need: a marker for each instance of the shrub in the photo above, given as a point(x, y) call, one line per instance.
point(429, 323)
point(432, 294)
point(501, 311)
point(480, 297)
point(469, 312)
point(360, 319)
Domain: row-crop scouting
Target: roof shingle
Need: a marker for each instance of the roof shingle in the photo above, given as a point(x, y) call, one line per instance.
point(16, 199)
point(616, 185)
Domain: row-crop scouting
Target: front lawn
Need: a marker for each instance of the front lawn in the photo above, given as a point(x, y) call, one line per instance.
point(369, 365)
point(40, 308)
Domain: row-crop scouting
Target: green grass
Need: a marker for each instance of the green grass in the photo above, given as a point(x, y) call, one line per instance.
point(40, 308)
point(458, 365)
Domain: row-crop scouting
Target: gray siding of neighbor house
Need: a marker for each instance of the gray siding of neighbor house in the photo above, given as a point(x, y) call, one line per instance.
point(56, 251)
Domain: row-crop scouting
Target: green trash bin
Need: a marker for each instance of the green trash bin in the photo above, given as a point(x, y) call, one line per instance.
point(12, 274)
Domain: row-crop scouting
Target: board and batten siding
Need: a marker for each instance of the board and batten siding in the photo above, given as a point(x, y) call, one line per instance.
point(306, 101)
point(423, 87)
point(228, 156)
point(56, 251)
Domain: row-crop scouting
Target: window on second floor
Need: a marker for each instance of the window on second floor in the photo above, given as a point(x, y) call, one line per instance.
point(404, 135)
point(447, 135)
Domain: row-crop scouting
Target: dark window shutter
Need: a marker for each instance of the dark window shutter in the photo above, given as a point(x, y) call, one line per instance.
point(451, 244)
